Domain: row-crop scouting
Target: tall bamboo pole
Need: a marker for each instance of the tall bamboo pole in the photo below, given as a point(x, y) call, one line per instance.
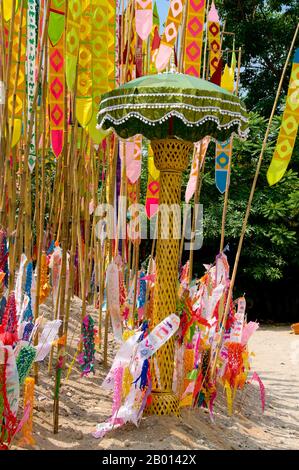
point(249, 204)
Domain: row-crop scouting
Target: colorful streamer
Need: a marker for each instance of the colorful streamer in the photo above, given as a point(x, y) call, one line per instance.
point(222, 162)
point(200, 151)
point(153, 186)
point(143, 18)
point(99, 62)
point(194, 37)
point(72, 41)
point(16, 104)
point(288, 130)
point(56, 95)
point(174, 18)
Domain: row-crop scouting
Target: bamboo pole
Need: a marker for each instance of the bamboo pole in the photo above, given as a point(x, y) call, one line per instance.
point(249, 204)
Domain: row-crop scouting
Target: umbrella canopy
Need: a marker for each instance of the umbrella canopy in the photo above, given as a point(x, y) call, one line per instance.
point(173, 104)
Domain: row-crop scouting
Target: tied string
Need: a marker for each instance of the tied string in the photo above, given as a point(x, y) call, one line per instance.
point(143, 377)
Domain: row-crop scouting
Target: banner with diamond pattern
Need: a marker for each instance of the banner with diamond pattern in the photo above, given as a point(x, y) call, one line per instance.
point(194, 37)
point(174, 18)
point(72, 41)
point(214, 41)
point(56, 95)
point(16, 105)
point(222, 160)
point(153, 186)
point(99, 49)
point(288, 130)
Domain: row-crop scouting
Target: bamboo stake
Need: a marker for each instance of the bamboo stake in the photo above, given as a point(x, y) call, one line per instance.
point(249, 204)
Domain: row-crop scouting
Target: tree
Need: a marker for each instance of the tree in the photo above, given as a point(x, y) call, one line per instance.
point(264, 29)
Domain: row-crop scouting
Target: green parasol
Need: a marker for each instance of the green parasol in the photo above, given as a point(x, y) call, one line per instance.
point(172, 110)
point(198, 108)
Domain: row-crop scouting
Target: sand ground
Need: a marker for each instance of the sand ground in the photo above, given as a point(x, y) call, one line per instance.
point(84, 403)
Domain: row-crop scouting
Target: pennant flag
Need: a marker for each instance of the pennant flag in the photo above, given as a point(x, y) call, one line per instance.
point(194, 37)
point(143, 18)
point(84, 85)
point(288, 130)
point(111, 44)
point(56, 21)
point(198, 159)
point(223, 156)
point(16, 104)
point(228, 79)
point(214, 42)
point(56, 95)
point(99, 63)
point(72, 41)
point(153, 186)
point(169, 37)
point(32, 15)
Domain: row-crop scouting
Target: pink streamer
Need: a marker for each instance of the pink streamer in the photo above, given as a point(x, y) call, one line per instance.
point(248, 331)
point(257, 378)
point(144, 23)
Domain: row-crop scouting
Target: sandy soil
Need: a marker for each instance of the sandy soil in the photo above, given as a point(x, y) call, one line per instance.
point(84, 404)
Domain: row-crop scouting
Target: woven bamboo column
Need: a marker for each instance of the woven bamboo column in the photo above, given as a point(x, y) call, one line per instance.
point(171, 158)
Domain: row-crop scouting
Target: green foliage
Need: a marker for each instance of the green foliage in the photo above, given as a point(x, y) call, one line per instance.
point(271, 242)
point(264, 29)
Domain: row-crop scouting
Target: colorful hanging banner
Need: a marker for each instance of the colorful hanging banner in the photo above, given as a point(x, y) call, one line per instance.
point(7, 9)
point(99, 63)
point(32, 15)
point(153, 186)
point(214, 43)
point(174, 18)
point(288, 130)
point(143, 18)
point(72, 41)
point(194, 37)
point(228, 79)
point(199, 155)
point(16, 104)
point(84, 84)
point(111, 44)
point(56, 21)
point(56, 95)
point(222, 161)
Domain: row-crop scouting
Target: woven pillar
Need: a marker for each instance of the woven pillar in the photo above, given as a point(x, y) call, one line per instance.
point(171, 158)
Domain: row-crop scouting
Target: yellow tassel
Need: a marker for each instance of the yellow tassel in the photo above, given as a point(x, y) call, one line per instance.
point(127, 382)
